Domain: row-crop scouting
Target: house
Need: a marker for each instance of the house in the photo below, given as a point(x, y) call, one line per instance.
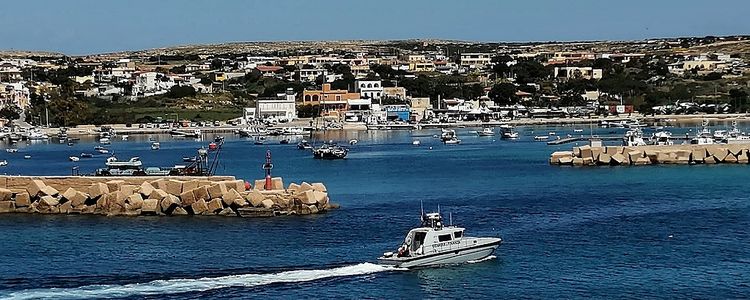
point(369, 89)
point(421, 66)
point(420, 108)
point(269, 71)
point(475, 60)
point(14, 94)
point(328, 99)
point(282, 107)
point(578, 72)
point(394, 92)
point(310, 75)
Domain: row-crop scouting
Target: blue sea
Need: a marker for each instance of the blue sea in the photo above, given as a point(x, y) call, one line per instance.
point(591, 232)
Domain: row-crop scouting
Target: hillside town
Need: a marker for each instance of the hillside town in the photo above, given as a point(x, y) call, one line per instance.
point(371, 82)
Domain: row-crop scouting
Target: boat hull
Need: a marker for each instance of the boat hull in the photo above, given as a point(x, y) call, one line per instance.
point(453, 257)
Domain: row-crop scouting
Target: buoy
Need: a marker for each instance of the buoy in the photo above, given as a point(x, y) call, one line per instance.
point(430, 147)
point(247, 186)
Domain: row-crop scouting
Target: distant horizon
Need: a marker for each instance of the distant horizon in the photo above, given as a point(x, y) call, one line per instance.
point(377, 40)
point(86, 27)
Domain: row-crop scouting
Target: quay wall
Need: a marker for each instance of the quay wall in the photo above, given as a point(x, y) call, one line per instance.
point(163, 196)
point(649, 155)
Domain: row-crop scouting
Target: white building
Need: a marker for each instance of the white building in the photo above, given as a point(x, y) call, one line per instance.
point(370, 89)
point(282, 107)
point(309, 75)
point(475, 60)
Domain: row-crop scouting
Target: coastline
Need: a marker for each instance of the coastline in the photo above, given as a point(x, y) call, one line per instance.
point(84, 130)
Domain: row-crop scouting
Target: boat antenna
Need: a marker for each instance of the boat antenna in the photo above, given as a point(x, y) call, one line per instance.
point(421, 209)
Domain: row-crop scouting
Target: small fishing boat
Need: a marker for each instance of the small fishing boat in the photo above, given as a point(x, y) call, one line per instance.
point(74, 158)
point(453, 141)
point(508, 132)
point(353, 142)
point(577, 130)
point(86, 155)
point(330, 150)
point(416, 143)
point(541, 137)
point(155, 146)
point(304, 145)
point(124, 137)
point(103, 151)
point(189, 159)
point(434, 244)
point(11, 150)
point(3, 163)
point(486, 132)
point(105, 141)
point(27, 157)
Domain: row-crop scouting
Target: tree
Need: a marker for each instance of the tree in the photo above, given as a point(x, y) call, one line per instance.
point(503, 94)
point(183, 91)
point(501, 67)
point(528, 71)
point(10, 112)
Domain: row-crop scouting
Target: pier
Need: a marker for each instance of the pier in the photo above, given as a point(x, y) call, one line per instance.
point(160, 196)
point(648, 155)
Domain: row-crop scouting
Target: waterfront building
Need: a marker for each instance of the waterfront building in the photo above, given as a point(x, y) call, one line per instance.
point(370, 89)
point(394, 92)
point(282, 107)
point(329, 100)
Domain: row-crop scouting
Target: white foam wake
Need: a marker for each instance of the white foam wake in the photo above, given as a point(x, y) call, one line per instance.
point(481, 260)
point(175, 286)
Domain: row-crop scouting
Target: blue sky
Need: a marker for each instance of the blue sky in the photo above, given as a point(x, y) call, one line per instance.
point(94, 26)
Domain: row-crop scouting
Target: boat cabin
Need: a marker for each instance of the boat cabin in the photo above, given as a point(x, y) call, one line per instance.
point(432, 236)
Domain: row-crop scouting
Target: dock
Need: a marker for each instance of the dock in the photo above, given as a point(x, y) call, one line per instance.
point(651, 155)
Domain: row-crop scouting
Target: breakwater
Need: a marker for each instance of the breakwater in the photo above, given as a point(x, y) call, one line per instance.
point(647, 155)
point(135, 196)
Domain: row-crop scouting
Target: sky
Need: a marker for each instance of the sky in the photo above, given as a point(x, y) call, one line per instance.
point(78, 27)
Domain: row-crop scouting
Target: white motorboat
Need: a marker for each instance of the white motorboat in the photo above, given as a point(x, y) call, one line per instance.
point(485, 132)
point(155, 146)
point(416, 143)
point(633, 137)
point(662, 138)
point(11, 150)
point(134, 162)
point(448, 134)
point(293, 131)
point(735, 136)
point(125, 137)
point(704, 136)
point(74, 158)
point(507, 132)
point(433, 244)
point(104, 141)
point(252, 131)
point(577, 130)
point(541, 137)
point(3, 163)
point(452, 141)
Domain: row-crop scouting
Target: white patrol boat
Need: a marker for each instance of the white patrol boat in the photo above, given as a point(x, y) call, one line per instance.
point(433, 244)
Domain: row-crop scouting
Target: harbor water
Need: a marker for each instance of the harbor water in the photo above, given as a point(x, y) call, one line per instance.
point(605, 232)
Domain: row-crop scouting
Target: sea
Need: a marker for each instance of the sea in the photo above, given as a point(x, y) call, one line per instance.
point(661, 231)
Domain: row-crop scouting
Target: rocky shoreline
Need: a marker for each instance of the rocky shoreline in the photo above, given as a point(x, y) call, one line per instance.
point(160, 196)
point(647, 155)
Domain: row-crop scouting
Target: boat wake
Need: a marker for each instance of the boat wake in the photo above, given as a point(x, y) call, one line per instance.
point(176, 286)
point(491, 257)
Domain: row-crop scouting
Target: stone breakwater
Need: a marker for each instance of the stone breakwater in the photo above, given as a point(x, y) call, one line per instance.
point(174, 196)
point(647, 155)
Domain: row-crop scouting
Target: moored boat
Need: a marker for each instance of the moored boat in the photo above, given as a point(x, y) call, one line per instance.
point(330, 150)
point(485, 132)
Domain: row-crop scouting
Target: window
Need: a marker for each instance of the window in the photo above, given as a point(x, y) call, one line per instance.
point(444, 237)
point(458, 234)
point(315, 98)
point(307, 98)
